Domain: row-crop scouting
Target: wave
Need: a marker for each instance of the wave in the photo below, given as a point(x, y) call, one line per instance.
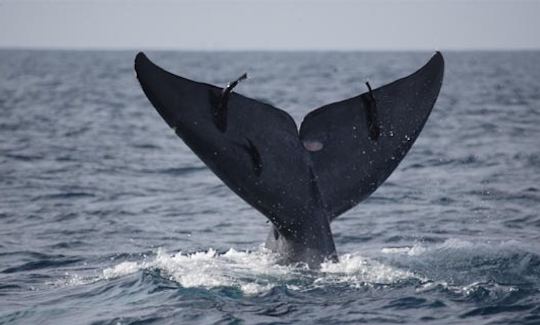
point(255, 272)
point(457, 266)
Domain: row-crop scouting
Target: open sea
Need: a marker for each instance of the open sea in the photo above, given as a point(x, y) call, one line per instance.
point(106, 217)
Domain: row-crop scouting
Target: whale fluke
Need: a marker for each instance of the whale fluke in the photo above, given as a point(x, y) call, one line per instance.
point(300, 179)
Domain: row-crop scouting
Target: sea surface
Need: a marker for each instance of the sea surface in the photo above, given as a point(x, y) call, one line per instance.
point(106, 217)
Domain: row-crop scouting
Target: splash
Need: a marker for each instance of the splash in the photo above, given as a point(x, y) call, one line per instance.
point(255, 272)
point(358, 271)
point(459, 266)
point(121, 269)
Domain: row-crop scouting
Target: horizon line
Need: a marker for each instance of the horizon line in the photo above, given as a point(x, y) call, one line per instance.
point(247, 49)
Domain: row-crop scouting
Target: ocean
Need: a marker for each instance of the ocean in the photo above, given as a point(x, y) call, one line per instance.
point(106, 217)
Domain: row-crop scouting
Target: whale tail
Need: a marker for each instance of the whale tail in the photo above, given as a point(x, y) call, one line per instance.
point(300, 180)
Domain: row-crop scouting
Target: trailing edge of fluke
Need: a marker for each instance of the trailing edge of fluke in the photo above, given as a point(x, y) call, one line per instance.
point(300, 179)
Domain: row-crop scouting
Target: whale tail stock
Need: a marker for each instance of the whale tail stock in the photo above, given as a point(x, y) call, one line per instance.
point(299, 179)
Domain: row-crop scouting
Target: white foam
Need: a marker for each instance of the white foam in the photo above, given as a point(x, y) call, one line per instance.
point(358, 271)
point(395, 250)
point(121, 269)
point(256, 272)
point(251, 272)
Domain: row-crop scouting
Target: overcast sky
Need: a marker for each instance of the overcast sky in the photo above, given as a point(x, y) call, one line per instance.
point(271, 24)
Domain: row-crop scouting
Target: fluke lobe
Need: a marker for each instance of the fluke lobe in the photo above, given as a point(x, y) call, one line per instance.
point(300, 179)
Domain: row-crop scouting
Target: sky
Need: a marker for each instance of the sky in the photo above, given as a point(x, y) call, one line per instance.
point(271, 24)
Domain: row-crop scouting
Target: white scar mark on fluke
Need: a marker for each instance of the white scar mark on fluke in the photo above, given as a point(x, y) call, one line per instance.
point(313, 145)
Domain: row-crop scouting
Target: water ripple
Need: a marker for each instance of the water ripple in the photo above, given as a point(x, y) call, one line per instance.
point(107, 217)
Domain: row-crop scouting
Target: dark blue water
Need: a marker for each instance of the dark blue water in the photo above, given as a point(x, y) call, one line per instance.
point(106, 217)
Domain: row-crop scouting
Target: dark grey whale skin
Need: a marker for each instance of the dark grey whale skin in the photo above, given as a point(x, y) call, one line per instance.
point(300, 179)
